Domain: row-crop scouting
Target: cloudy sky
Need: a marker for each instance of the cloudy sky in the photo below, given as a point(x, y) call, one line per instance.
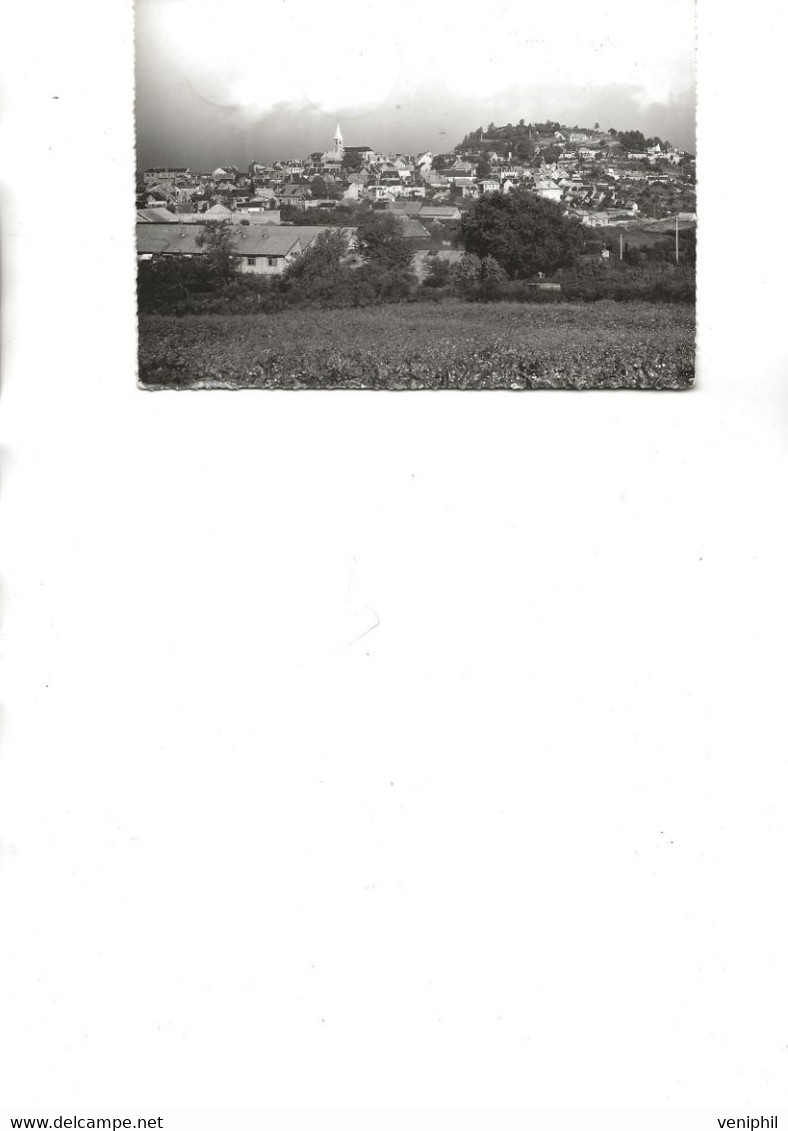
point(232, 80)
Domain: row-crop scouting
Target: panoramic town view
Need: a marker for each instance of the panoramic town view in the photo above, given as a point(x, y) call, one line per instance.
point(524, 254)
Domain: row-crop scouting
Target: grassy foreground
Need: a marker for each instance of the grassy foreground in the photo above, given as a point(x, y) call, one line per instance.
point(450, 345)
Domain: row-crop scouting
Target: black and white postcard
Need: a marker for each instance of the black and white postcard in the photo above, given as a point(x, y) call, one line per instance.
point(385, 197)
point(393, 763)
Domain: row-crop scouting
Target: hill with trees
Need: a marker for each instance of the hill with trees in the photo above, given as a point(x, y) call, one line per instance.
point(523, 139)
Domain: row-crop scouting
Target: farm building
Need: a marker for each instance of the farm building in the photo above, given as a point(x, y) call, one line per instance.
point(262, 249)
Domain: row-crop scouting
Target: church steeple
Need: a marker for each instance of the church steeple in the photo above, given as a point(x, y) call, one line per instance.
point(339, 144)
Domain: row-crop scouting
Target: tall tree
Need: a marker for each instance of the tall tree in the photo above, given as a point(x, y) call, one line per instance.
point(632, 140)
point(319, 274)
point(388, 256)
point(483, 166)
point(551, 153)
point(383, 243)
point(321, 259)
point(352, 161)
point(318, 187)
point(216, 238)
point(524, 233)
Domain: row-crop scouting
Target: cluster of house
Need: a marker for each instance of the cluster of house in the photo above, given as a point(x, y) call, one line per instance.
point(588, 174)
point(344, 173)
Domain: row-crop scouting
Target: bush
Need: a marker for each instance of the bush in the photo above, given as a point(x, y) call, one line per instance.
point(189, 286)
point(492, 280)
point(319, 273)
point(623, 288)
point(465, 277)
point(438, 273)
point(166, 284)
point(387, 282)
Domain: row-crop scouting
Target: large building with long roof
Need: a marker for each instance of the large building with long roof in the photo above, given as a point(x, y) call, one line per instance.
point(261, 249)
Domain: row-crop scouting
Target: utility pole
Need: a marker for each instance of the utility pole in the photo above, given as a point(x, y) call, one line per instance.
point(620, 245)
point(677, 240)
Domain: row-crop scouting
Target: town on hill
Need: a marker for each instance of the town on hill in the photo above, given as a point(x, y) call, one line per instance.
point(601, 177)
point(248, 277)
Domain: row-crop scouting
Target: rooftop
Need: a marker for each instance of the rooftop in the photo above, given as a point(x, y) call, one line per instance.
point(254, 239)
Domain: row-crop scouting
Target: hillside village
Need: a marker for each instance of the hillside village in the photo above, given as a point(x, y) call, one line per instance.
point(604, 178)
point(626, 190)
point(598, 228)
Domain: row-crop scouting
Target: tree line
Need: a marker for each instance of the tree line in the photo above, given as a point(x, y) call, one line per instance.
point(509, 240)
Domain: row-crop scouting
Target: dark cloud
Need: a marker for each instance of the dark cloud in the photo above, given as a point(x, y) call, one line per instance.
point(177, 125)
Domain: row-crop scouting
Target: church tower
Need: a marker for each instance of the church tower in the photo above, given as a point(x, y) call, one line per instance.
point(339, 144)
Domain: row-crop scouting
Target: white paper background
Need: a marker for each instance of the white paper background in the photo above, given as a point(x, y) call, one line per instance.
point(523, 843)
